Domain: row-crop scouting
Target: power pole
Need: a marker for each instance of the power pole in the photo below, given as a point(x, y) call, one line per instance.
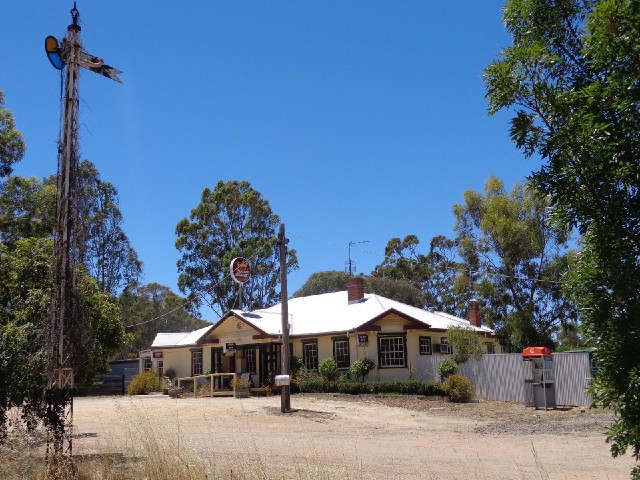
point(65, 314)
point(285, 392)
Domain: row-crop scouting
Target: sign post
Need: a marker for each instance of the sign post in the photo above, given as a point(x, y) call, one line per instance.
point(240, 273)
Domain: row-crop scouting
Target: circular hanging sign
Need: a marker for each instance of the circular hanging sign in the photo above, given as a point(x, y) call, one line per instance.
point(240, 270)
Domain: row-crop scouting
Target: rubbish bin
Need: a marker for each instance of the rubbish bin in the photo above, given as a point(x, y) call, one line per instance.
point(539, 377)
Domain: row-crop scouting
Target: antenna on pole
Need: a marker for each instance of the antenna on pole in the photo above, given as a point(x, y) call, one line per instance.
point(350, 265)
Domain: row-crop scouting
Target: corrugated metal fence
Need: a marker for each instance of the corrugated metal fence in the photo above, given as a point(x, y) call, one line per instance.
point(501, 376)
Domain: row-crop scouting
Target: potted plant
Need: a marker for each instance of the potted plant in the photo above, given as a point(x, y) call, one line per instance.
point(240, 387)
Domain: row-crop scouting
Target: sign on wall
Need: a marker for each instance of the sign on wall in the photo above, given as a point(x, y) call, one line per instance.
point(363, 339)
point(157, 354)
point(230, 346)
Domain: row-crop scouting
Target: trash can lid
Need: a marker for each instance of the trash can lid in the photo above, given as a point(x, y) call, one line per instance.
point(536, 352)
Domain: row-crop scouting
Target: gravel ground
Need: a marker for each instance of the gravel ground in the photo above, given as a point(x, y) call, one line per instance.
point(357, 437)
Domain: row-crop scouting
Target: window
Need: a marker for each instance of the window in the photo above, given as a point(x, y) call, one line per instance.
point(196, 362)
point(425, 345)
point(392, 351)
point(341, 352)
point(250, 355)
point(490, 348)
point(160, 369)
point(445, 348)
point(310, 355)
point(147, 364)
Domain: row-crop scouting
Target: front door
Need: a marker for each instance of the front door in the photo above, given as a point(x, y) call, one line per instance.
point(216, 364)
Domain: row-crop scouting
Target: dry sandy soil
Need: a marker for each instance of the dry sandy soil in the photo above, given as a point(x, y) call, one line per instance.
point(353, 437)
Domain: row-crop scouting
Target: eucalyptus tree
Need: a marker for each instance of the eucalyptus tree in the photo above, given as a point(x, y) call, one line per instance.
point(232, 220)
point(570, 81)
point(11, 142)
point(519, 261)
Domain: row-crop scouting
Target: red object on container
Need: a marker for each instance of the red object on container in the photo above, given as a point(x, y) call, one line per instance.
point(536, 352)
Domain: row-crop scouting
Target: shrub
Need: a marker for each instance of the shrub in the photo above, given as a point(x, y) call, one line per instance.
point(295, 364)
point(328, 369)
point(447, 368)
point(170, 373)
point(143, 384)
point(458, 388)
point(361, 368)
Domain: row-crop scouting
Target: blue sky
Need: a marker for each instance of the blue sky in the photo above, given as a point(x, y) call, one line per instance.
point(356, 120)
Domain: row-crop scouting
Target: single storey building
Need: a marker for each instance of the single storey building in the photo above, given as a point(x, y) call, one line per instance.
point(346, 325)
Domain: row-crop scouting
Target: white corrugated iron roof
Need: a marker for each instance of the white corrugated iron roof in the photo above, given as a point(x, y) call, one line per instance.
point(331, 312)
point(179, 339)
point(323, 314)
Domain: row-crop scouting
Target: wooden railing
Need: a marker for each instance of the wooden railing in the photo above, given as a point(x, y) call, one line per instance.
point(211, 377)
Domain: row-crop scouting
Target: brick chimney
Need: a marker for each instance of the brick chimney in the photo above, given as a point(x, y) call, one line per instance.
point(355, 289)
point(474, 313)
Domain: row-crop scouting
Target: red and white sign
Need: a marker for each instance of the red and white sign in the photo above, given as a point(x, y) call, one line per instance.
point(157, 354)
point(230, 346)
point(240, 270)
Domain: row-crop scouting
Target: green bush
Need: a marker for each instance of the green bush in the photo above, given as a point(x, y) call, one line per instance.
point(361, 368)
point(458, 388)
point(295, 364)
point(316, 384)
point(170, 373)
point(143, 384)
point(328, 369)
point(447, 368)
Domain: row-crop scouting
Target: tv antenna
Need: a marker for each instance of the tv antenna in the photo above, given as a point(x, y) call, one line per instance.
point(350, 265)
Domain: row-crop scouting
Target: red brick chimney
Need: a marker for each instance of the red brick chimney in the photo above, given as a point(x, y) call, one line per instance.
point(474, 313)
point(355, 289)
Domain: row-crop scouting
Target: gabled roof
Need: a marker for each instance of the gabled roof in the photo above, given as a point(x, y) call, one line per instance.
point(180, 339)
point(331, 312)
point(325, 314)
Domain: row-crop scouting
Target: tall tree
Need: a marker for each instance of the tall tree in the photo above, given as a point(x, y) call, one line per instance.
point(27, 208)
point(11, 141)
point(104, 246)
point(140, 304)
point(232, 220)
point(323, 282)
point(506, 238)
point(336, 281)
point(571, 80)
point(436, 274)
point(25, 295)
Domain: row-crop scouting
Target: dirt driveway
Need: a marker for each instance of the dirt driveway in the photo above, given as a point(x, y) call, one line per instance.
point(343, 437)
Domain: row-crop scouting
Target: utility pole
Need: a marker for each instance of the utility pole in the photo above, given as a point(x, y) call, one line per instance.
point(66, 317)
point(285, 392)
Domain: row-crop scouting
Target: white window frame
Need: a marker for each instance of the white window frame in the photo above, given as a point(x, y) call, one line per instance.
point(196, 362)
point(425, 351)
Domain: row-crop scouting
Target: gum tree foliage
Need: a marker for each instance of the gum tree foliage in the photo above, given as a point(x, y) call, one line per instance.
point(323, 282)
point(25, 296)
point(28, 209)
point(465, 343)
point(139, 303)
point(232, 220)
point(336, 281)
point(11, 142)
point(436, 274)
point(518, 261)
point(104, 247)
point(571, 81)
